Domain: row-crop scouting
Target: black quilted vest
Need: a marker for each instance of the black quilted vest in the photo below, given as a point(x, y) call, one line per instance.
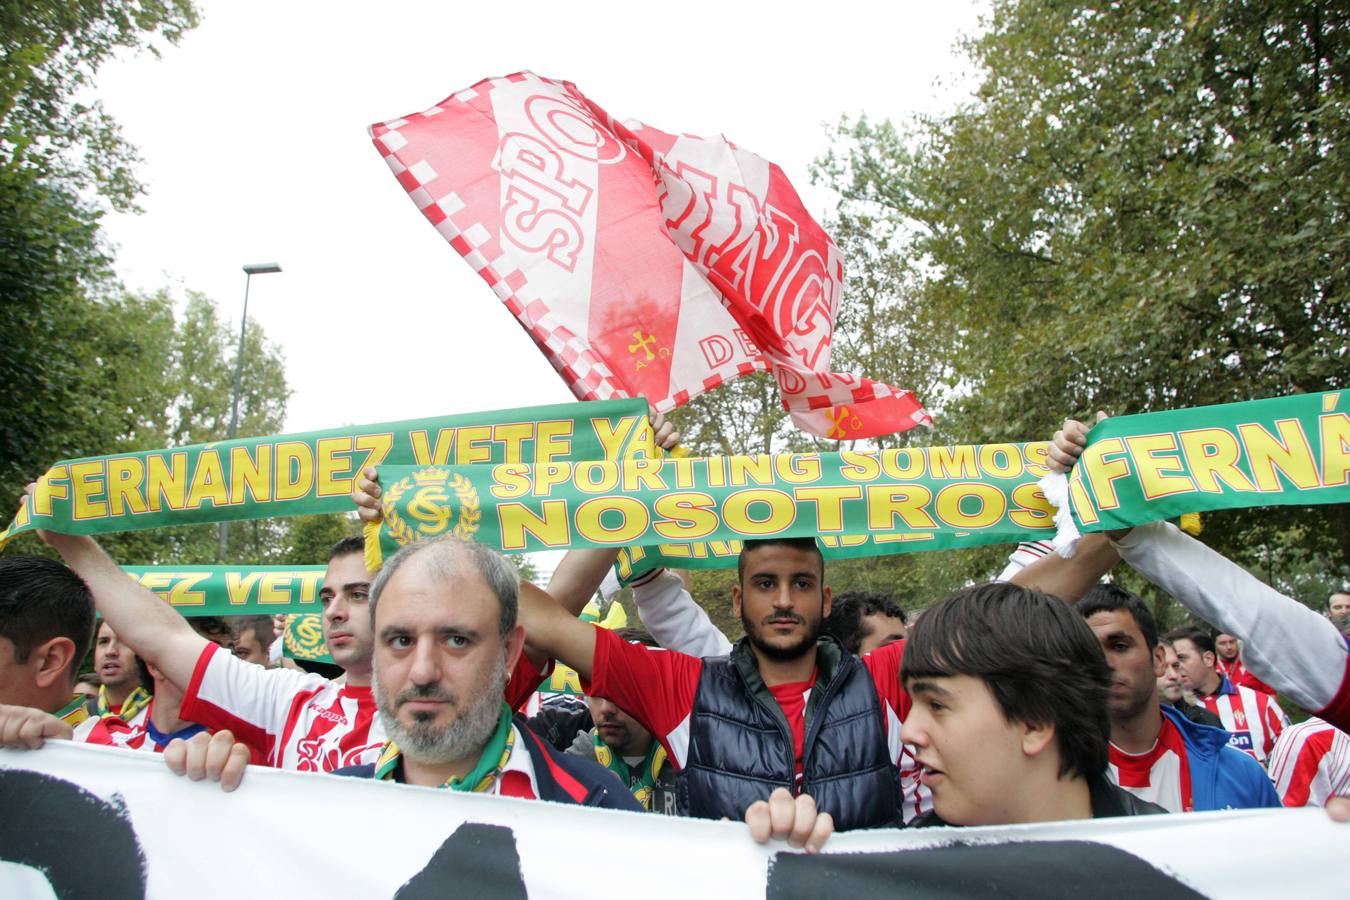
point(740, 746)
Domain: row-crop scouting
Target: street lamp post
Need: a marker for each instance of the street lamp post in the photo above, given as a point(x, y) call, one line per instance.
point(249, 272)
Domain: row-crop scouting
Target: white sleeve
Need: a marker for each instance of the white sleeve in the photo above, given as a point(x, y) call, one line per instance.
point(675, 620)
point(1286, 645)
point(253, 702)
point(1025, 554)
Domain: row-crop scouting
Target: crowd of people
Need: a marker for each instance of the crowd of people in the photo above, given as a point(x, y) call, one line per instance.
point(1046, 694)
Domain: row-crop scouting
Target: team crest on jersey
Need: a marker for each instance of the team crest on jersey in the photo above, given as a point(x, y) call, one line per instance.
point(421, 506)
point(304, 638)
point(1239, 718)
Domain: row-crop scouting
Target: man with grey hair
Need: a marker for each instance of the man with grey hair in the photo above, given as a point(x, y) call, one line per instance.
point(443, 617)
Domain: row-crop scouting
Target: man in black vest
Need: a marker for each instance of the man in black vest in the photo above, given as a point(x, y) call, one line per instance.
point(787, 709)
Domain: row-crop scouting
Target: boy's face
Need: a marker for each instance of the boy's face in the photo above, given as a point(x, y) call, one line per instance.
point(969, 754)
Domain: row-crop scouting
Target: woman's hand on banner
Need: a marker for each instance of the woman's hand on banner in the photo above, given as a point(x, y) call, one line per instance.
point(22, 727)
point(218, 757)
point(794, 819)
point(367, 496)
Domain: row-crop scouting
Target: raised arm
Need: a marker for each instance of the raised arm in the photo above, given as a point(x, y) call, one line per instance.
point(1070, 579)
point(678, 623)
point(147, 624)
point(554, 632)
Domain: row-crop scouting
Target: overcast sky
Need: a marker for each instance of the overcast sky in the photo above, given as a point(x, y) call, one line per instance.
point(254, 136)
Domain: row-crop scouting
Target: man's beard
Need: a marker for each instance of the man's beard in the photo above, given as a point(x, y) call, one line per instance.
point(793, 651)
point(1143, 697)
point(465, 737)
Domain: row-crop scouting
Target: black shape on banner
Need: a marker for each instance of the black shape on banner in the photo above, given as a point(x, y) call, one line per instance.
point(86, 846)
point(1041, 869)
point(476, 861)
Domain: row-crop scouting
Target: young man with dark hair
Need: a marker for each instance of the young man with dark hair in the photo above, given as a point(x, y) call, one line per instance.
point(863, 621)
point(1253, 718)
point(1228, 660)
point(46, 627)
point(1009, 718)
point(789, 709)
point(253, 637)
point(1158, 754)
point(124, 684)
point(1171, 693)
point(619, 743)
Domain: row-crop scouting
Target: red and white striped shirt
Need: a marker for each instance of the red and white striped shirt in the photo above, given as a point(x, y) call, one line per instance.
point(296, 720)
point(1162, 775)
point(1311, 763)
point(1253, 718)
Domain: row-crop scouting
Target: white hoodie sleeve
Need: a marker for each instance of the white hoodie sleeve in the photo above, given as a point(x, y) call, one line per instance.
point(675, 620)
point(1285, 644)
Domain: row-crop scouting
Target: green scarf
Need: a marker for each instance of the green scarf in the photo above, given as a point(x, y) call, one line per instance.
point(135, 702)
point(642, 782)
point(496, 753)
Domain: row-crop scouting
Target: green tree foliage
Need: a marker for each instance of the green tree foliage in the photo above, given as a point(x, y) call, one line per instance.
point(1143, 208)
point(49, 53)
point(309, 538)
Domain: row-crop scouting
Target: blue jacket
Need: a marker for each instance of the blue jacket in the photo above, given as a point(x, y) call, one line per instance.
point(1222, 777)
point(560, 777)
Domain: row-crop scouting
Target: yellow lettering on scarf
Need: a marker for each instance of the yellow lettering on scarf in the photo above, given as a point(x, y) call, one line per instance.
point(555, 440)
point(125, 475)
point(1335, 431)
point(275, 587)
point(439, 456)
point(903, 463)
point(612, 437)
point(181, 594)
point(591, 520)
point(858, 466)
point(950, 510)
point(736, 511)
point(798, 468)
point(518, 520)
point(886, 501)
point(1103, 473)
point(473, 445)
point(953, 462)
point(238, 587)
point(86, 481)
point(747, 469)
point(331, 468)
point(1078, 497)
point(1032, 510)
point(684, 471)
point(565, 680)
point(511, 480)
point(716, 469)
point(208, 482)
point(547, 476)
point(512, 436)
point(1212, 455)
point(1154, 458)
point(685, 516)
point(157, 582)
point(164, 486)
point(1289, 453)
point(309, 585)
point(595, 477)
point(375, 446)
point(644, 474)
point(829, 503)
point(251, 474)
point(294, 469)
point(1001, 460)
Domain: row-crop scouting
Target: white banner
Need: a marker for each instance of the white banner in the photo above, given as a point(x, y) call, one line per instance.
point(81, 821)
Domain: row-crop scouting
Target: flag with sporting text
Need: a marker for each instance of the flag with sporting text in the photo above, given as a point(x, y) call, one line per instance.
point(641, 263)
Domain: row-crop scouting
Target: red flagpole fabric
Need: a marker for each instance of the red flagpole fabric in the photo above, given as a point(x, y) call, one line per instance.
point(641, 263)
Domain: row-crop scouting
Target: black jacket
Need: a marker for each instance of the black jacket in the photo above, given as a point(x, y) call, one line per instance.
point(740, 745)
point(1108, 801)
point(560, 777)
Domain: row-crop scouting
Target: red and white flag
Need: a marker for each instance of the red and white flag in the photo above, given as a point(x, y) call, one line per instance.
point(641, 263)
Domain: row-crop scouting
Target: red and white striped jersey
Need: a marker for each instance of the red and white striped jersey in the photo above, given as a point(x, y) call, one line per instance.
point(1237, 673)
point(115, 731)
point(1162, 775)
point(1253, 718)
point(1311, 763)
point(296, 720)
